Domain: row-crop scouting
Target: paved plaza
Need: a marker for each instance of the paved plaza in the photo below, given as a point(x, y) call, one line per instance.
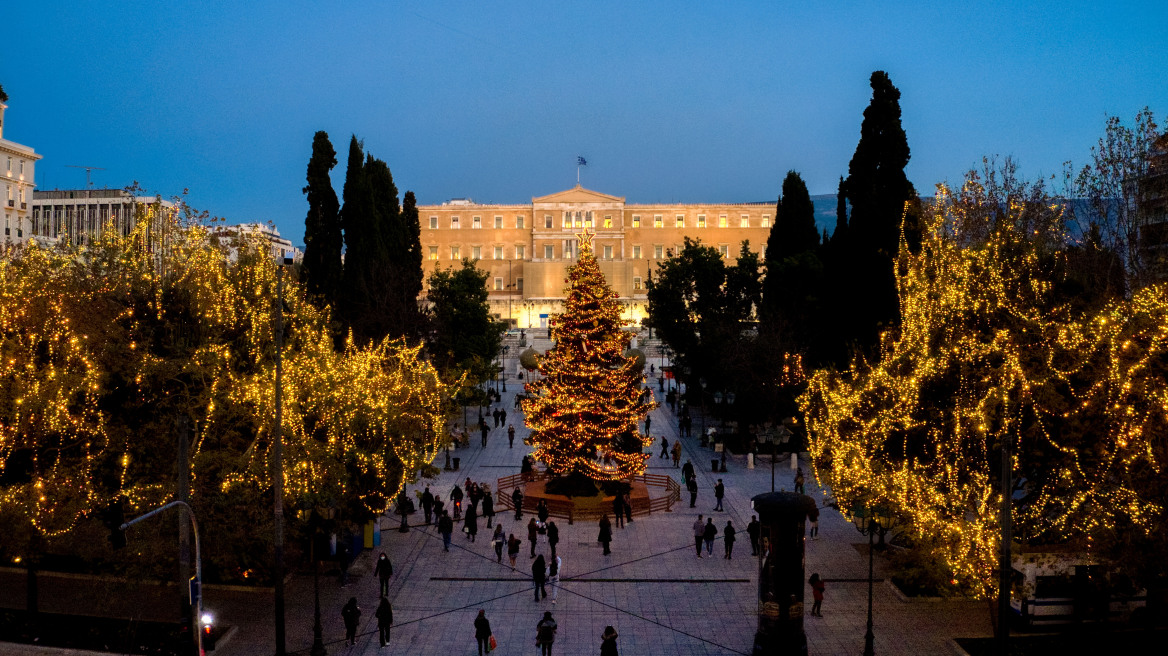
point(660, 597)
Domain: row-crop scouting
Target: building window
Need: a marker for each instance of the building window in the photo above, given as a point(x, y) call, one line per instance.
point(608, 252)
point(498, 252)
point(680, 221)
point(637, 252)
point(658, 251)
point(608, 221)
point(701, 220)
point(476, 223)
point(549, 252)
point(547, 221)
point(433, 252)
point(476, 252)
point(519, 284)
point(519, 252)
point(498, 223)
point(498, 284)
point(21, 170)
point(455, 253)
point(766, 220)
point(724, 249)
point(588, 220)
point(433, 223)
point(657, 221)
point(636, 221)
point(567, 221)
point(454, 223)
point(723, 221)
point(744, 221)
point(636, 283)
point(518, 222)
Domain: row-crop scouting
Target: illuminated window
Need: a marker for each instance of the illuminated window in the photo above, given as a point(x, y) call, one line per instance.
point(433, 252)
point(679, 221)
point(519, 252)
point(455, 253)
point(519, 222)
point(701, 220)
point(636, 283)
point(476, 223)
point(498, 284)
point(567, 222)
point(744, 221)
point(499, 251)
point(549, 252)
point(766, 220)
point(608, 221)
point(657, 222)
point(476, 252)
point(724, 249)
point(608, 252)
point(637, 252)
point(658, 251)
point(433, 223)
point(588, 220)
point(636, 221)
point(498, 222)
point(723, 221)
point(454, 223)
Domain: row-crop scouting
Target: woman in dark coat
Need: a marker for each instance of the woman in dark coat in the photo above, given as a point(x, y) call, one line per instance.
point(532, 535)
point(605, 536)
point(608, 642)
point(539, 576)
point(384, 617)
point(489, 507)
point(351, 614)
point(542, 511)
point(483, 632)
point(472, 523)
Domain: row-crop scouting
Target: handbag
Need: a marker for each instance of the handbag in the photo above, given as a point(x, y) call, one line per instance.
point(492, 645)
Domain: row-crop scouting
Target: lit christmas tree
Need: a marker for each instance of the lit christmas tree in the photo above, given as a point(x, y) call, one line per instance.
point(584, 412)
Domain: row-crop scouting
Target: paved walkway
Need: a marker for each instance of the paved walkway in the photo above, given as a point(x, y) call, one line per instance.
point(659, 596)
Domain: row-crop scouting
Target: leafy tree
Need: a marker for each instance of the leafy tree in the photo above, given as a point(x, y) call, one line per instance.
point(585, 410)
point(3, 96)
point(464, 336)
point(321, 270)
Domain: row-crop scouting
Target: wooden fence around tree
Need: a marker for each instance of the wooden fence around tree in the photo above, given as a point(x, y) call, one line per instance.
point(591, 507)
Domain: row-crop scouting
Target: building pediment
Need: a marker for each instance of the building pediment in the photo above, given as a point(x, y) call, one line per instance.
point(577, 194)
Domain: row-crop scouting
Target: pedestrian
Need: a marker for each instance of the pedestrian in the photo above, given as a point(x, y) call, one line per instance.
point(817, 594)
point(545, 634)
point(427, 504)
point(439, 506)
point(384, 615)
point(456, 500)
point(484, 430)
point(539, 576)
point(692, 485)
point(532, 535)
point(553, 533)
point(488, 507)
point(728, 536)
point(649, 422)
point(628, 503)
point(608, 642)
point(497, 540)
point(753, 529)
point(799, 480)
point(687, 472)
point(618, 509)
point(511, 436)
point(345, 554)
point(513, 545)
point(541, 510)
point(502, 416)
point(351, 614)
point(446, 528)
point(605, 536)
point(554, 576)
point(383, 570)
point(526, 468)
point(471, 526)
point(699, 531)
point(517, 501)
point(813, 515)
point(676, 453)
point(664, 447)
point(708, 534)
point(483, 632)
point(719, 492)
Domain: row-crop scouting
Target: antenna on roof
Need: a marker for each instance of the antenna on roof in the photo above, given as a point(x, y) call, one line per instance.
point(88, 170)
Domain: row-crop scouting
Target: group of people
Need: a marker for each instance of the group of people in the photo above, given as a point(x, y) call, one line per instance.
point(706, 533)
point(481, 503)
point(351, 612)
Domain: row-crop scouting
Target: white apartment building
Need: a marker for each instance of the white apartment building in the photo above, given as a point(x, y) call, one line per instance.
point(17, 176)
point(279, 247)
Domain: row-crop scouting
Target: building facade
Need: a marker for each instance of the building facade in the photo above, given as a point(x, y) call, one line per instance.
point(526, 249)
point(77, 216)
point(17, 180)
point(279, 248)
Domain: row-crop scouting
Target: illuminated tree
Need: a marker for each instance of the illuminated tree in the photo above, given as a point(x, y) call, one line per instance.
point(584, 412)
point(991, 352)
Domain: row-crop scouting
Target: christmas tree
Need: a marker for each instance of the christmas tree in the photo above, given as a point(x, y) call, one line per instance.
point(584, 412)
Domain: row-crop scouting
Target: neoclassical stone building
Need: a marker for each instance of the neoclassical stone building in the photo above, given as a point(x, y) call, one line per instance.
point(527, 249)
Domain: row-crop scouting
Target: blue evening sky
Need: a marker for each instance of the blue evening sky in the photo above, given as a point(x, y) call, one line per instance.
point(493, 100)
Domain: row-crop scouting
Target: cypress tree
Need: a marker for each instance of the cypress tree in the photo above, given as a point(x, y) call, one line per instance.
point(840, 235)
point(794, 229)
point(410, 282)
point(362, 241)
point(321, 268)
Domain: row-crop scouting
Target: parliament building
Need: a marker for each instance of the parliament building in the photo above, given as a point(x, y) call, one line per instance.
point(526, 249)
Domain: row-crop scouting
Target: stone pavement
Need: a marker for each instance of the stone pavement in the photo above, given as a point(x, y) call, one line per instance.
point(658, 595)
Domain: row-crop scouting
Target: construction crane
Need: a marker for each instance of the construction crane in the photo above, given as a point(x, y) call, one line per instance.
point(88, 170)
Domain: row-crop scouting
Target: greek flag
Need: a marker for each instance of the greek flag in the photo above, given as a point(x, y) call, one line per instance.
point(580, 161)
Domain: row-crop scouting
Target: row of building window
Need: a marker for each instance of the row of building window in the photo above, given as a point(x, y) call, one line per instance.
point(569, 249)
point(585, 220)
point(499, 286)
point(21, 165)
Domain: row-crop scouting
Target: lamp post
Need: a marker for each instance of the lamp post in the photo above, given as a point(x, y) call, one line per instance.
point(729, 408)
point(870, 521)
point(702, 382)
point(505, 349)
point(777, 437)
point(317, 631)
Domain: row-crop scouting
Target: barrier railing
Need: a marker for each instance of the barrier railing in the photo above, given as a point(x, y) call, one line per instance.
point(592, 508)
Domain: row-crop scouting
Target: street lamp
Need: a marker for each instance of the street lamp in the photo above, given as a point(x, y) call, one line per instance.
point(505, 349)
point(317, 631)
point(702, 382)
point(870, 521)
point(729, 407)
point(777, 437)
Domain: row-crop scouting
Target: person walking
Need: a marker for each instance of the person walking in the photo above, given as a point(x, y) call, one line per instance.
point(817, 594)
point(799, 480)
point(545, 633)
point(351, 614)
point(384, 615)
point(532, 534)
point(618, 509)
point(664, 445)
point(719, 492)
point(513, 545)
point(498, 540)
point(383, 570)
point(554, 576)
point(446, 528)
point(489, 507)
point(628, 504)
point(605, 536)
point(692, 486)
point(511, 436)
point(676, 453)
point(542, 511)
point(456, 501)
point(439, 506)
point(753, 529)
point(483, 632)
point(539, 576)
point(502, 416)
point(427, 504)
point(553, 533)
point(608, 642)
point(708, 534)
point(471, 526)
point(484, 429)
point(813, 516)
point(517, 501)
point(648, 422)
point(699, 532)
point(729, 535)
point(687, 472)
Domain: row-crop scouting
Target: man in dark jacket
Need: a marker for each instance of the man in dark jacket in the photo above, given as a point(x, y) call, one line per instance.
point(482, 632)
point(384, 616)
point(539, 576)
point(383, 570)
point(687, 472)
point(427, 504)
point(719, 492)
point(456, 501)
point(692, 485)
point(517, 501)
point(446, 528)
point(708, 534)
point(351, 614)
point(728, 536)
point(553, 533)
point(753, 529)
